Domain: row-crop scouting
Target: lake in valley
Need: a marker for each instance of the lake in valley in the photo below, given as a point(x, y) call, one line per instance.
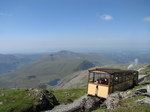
point(53, 82)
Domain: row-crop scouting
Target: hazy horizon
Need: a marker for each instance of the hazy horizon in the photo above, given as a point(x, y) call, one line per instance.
point(76, 25)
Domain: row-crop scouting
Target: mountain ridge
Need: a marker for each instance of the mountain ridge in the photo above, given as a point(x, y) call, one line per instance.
point(39, 72)
point(48, 67)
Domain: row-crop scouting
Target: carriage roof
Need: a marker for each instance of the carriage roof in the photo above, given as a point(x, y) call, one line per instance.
point(113, 71)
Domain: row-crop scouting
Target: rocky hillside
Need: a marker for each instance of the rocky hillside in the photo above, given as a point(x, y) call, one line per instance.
point(73, 81)
point(144, 69)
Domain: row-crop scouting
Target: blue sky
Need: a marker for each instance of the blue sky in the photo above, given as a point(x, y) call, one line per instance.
point(41, 25)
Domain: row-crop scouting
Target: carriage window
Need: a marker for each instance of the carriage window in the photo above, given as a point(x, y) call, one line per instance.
point(116, 79)
point(99, 78)
point(91, 77)
point(127, 77)
point(131, 76)
point(124, 78)
point(103, 78)
point(120, 79)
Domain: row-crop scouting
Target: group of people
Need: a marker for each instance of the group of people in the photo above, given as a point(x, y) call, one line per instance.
point(102, 81)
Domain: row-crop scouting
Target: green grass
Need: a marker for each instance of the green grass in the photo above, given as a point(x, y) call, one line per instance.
point(129, 105)
point(21, 101)
point(64, 94)
point(100, 110)
point(15, 100)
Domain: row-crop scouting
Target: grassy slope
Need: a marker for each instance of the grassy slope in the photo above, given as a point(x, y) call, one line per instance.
point(19, 100)
point(15, 101)
point(64, 94)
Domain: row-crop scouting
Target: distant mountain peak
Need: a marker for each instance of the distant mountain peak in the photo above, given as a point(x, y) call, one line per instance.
point(65, 52)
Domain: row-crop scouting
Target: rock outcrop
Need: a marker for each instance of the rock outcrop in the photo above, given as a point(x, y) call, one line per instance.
point(46, 100)
point(143, 101)
point(84, 104)
point(112, 101)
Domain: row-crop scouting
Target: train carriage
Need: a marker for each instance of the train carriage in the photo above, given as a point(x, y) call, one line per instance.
point(102, 81)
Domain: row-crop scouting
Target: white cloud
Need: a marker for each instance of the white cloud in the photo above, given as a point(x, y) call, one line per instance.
point(106, 17)
point(4, 14)
point(146, 19)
